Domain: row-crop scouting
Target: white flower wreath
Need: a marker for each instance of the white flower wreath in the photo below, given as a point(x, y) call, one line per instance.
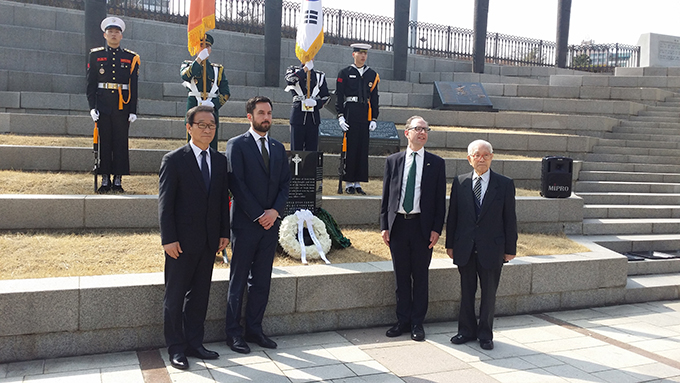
point(288, 236)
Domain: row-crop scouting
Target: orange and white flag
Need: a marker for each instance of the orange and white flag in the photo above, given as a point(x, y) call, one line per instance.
point(201, 20)
point(310, 30)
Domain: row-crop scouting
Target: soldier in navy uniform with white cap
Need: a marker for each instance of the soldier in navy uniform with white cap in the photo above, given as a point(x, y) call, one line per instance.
point(207, 83)
point(304, 115)
point(112, 74)
point(357, 108)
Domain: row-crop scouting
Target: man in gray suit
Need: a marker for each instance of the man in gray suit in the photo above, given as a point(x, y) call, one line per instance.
point(259, 175)
point(411, 219)
point(481, 234)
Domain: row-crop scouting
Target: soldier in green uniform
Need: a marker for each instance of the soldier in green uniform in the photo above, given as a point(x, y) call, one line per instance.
point(199, 77)
point(112, 96)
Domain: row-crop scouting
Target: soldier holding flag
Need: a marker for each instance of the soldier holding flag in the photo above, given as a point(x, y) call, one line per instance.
point(206, 81)
point(357, 107)
point(308, 86)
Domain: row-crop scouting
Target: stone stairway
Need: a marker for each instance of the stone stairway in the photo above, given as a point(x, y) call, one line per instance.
point(630, 183)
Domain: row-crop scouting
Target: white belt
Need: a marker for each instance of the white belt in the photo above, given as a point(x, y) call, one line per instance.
point(352, 99)
point(298, 98)
point(112, 85)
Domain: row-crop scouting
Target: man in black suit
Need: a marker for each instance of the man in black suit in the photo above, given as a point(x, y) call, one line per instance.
point(481, 234)
point(411, 220)
point(259, 175)
point(193, 207)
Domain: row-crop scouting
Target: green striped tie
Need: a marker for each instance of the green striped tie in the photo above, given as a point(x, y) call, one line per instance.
point(410, 186)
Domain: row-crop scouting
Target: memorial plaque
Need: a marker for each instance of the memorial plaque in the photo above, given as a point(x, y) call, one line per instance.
point(469, 96)
point(383, 140)
point(306, 181)
point(661, 51)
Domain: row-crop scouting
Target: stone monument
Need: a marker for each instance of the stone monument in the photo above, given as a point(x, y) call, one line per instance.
point(659, 50)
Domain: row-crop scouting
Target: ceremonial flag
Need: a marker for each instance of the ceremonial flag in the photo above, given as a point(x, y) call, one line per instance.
point(310, 31)
point(201, 20)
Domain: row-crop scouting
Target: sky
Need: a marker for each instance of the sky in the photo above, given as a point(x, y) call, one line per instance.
point(603, 21)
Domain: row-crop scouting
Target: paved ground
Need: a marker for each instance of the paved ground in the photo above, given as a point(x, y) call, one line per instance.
point(618, 344)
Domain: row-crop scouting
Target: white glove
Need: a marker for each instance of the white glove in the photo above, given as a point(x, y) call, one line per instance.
point(202, 55)
point(372, 126)
point(208, 103)
point(309, 65)
point(94, 114)
point(310, 102)
point(343, 125)
point(132, 117)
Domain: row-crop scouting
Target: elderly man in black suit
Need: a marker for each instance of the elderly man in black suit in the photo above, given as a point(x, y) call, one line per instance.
point(193, 207)
point(411, 220)
point(481, 234)
point(259, 177)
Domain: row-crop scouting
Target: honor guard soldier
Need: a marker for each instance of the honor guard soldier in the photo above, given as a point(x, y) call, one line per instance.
point(207, 83)
point(112, 96)
point(357, 108)
point(304, 115)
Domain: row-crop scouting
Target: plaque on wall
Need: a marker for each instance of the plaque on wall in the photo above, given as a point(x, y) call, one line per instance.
point(383, 140)
point(306, 181)
point(467, 96)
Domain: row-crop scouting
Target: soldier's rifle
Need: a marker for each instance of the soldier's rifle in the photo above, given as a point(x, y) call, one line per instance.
point(341, 166)
point(97, 153)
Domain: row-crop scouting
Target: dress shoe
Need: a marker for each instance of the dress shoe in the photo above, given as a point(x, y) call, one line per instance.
point(397, 330)
point(262, 340)
point(359, 190)
point(460, 339)
point(486, 344)
point(350, 190)
point(104, 189)
point(417, 333)
point(117, 189)
point(201, 353)
point(238, 344)
point(179, 361)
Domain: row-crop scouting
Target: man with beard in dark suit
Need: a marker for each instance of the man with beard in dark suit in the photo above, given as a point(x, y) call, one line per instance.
point(481, 234)
point(259, 175)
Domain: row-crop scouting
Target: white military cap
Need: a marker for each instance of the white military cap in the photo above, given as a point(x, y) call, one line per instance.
point(112, 22)
point(358, 47)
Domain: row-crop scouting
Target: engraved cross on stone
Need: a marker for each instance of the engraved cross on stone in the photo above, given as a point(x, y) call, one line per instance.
point(297, 161)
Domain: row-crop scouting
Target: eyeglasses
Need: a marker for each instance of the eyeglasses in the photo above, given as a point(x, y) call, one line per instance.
point(204, 126)
point(477, 156)
point(421, 129)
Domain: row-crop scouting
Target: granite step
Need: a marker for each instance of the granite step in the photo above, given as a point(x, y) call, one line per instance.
point(626, 187)
point(602, 226)
point(637, 144)
point(630, 211)
point(641, 137)
point(633, 158)
point(655, 119)
point(606, 175)
point(623, 198)
point(637, 151)
point(643, 242)
point(644, 124)
point(629, 167)
point(665, 129)
point(659, 113)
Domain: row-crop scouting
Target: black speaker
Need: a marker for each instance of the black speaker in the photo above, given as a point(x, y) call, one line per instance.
point(556, 176)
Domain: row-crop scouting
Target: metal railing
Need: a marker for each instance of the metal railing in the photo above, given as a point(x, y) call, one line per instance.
point(345, 27)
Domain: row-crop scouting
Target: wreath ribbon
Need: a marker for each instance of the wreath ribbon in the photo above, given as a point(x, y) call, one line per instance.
point(306, 216)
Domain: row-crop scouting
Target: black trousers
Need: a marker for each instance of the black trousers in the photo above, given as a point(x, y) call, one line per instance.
point(411, 262)
point(304, 137)
point(252, 259)
point(113, 142)
point(187, 289)
point(488, 282)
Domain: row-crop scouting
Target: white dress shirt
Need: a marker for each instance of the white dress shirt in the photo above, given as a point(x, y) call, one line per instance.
point(197, 153)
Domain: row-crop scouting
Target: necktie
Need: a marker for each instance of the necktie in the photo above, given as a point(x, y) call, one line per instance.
point(410, 186)
point(204, 169)
point(478, 190)
point(265, 153)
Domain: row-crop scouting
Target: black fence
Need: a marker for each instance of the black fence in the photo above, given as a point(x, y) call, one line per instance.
point(345, 27)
